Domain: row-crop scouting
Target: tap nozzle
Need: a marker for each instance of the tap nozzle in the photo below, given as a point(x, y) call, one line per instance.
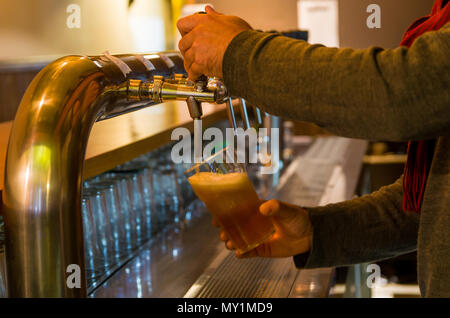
point(194, 107)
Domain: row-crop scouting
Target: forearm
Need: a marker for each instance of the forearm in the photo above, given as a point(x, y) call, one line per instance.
point(364, 229)
point(374, 94)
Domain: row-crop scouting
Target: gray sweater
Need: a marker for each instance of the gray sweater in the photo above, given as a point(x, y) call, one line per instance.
point(393, 95)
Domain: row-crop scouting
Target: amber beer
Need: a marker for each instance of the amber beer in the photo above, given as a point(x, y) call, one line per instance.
point(232, 200)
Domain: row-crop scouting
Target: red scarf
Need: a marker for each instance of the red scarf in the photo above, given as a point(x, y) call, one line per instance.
point(420, 153)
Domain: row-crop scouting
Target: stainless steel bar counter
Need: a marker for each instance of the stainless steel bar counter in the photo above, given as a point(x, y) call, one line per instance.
point(189, 260)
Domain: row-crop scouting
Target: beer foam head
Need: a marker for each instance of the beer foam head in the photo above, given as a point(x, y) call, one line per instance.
point(212, 179)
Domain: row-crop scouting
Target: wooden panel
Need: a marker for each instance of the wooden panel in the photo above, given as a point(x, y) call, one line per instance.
point(120, 139)
point(12, 87)
point(385, 159)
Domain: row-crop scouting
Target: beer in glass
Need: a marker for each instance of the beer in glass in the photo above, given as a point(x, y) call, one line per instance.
point(231, 198)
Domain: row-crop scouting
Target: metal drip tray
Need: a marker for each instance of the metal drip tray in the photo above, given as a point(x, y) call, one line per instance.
point(246, 278)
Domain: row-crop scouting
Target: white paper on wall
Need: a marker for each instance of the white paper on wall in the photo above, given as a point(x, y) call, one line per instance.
point(321, 19)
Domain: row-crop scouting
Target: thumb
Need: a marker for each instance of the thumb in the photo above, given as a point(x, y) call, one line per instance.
point(278, 209)
point(210, 10)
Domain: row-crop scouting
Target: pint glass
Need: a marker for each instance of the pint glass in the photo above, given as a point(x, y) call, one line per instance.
point(229, 195)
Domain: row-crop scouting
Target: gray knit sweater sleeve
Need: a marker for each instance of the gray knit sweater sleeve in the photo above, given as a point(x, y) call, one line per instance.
point(394, 94)
point(364, 229)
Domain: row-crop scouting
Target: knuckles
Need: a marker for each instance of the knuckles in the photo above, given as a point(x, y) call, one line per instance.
point(180, 46)
point(180, 24)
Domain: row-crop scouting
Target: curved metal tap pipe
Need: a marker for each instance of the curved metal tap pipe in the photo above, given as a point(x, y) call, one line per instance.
point(45, 158)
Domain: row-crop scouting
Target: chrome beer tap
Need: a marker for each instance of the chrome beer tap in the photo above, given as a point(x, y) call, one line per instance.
point(73, 93)
point(258, 115)
point(42, 207)
point(210, 90)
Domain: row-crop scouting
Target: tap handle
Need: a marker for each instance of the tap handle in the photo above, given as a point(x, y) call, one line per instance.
point(231, 116)
point(258, 116)
point(244, 114)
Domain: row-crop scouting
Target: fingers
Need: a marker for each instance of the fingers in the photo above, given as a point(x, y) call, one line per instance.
point(186, 42)
point(251, 253)
point(279, 209)
point(270, 207)
point(189, 58)
point(228, 243)
point(223, 236)
point(192, 67)
point(230, 246)
point(195, 71)
point(185, 25)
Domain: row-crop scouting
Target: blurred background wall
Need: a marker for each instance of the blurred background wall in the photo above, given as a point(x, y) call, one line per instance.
point(396, 16)
point(38, 27)
point(35, 32)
